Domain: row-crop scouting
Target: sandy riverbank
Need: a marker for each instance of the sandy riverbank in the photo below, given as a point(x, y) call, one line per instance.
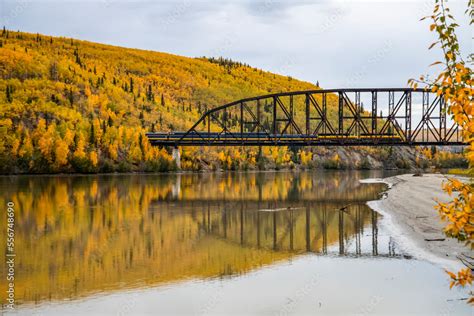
point(409, 214)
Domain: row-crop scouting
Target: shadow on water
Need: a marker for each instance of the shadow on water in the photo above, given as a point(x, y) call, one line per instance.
point(77, 235)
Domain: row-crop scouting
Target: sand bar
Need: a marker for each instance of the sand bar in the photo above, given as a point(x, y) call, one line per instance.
point(408, 213)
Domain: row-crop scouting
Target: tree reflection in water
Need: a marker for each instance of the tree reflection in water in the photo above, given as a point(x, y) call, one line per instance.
point(76, 235)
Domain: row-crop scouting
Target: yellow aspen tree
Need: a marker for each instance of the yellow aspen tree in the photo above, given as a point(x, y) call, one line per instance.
point(274, 153)
point(93, 157)
point(15, 147)
point(61, 151)
point(113, 150)
point(229, 162)
point(97, 131)
point(305, 157)
point(252, 157)
point(5, 125)
point(454, 84)
point(46, 143)
point(148, 153)
point(164, 154)
point(39, 130)
point(69, 137)
point(135, 153)
point(145, 146)
point(121, 136)
point(26, 149)
point(221, 156)
point(80, 147)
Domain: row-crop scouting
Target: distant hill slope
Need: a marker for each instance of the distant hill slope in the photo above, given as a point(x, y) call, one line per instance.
point(69, 105)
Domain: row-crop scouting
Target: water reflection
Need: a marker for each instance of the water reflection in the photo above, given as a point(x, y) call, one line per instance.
point(84, 234)
point(305, 229)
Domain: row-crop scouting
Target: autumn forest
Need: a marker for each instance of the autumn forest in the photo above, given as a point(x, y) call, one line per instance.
point(75, 106)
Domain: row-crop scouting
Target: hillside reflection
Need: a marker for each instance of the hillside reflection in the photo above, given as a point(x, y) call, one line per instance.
point(77, 235)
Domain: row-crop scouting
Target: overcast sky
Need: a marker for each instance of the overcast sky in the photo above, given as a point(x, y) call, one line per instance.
point(338, 43)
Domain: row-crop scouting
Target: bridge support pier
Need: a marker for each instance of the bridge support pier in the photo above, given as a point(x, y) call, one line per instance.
point(176, 157)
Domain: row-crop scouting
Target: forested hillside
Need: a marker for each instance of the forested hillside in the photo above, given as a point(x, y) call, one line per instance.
point(76, 106)
point(70, 105)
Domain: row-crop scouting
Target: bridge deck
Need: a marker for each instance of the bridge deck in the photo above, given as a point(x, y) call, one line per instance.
point(262, 139)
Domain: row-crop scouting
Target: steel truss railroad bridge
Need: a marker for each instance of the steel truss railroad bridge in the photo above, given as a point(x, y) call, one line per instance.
point(336, 117)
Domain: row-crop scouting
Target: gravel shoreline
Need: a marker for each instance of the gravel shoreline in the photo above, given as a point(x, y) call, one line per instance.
point(408, 213)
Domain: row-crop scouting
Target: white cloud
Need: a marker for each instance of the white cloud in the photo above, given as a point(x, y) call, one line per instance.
point(340, 43)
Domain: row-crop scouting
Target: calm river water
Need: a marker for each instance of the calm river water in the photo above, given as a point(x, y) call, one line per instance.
point(235, 243)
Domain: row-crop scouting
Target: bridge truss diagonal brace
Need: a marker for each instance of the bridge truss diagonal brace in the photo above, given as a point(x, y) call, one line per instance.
point(324, 123)
point(393, 110)
point(355, 112)
point(289, 115)
point(257, 124)
point(426, 126)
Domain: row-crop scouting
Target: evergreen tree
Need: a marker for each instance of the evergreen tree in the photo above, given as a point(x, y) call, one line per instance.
point(131, 84)
point(149, 94)
point(71, 96)
point(91, 136)
point(162, 100)
point(4, 32)
point(140, 140)
point(78, 59)
point(9, 93)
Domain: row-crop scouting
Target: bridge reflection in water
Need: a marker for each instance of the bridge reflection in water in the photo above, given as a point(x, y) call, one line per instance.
point(106, 233)
point(318, 227)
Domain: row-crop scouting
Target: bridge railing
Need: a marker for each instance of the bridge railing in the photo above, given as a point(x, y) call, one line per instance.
point(389, 116)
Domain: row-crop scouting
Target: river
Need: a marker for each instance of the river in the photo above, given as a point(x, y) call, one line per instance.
point(277, 243)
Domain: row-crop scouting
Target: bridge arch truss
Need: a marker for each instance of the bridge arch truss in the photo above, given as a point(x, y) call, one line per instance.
point(336, 117)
